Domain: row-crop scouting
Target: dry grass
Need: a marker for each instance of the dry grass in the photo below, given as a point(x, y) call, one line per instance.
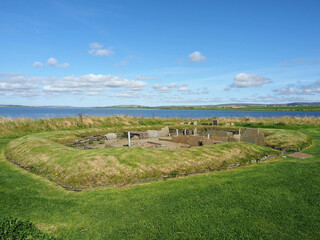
point(24, 126)
point(302, 121)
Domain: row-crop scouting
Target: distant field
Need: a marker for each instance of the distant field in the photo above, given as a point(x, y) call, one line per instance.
point(238, 108)
point(277, 199)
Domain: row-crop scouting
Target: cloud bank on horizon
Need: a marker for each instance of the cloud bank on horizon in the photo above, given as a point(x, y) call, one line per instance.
point(107, 53)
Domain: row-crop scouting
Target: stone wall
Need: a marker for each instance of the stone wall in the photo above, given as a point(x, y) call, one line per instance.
point(253, 136)
point(192, 141)
point(164, 132)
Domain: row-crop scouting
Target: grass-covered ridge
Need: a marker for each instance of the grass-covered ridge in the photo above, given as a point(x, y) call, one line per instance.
point(286, 140)
point(82, 168)
point(44, 154)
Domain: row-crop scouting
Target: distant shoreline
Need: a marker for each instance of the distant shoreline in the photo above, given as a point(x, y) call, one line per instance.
point(219, 108)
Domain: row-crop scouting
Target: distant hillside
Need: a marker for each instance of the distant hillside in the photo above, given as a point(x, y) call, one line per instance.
point(314, 104)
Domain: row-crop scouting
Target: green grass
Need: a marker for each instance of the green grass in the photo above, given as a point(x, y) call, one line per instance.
point(278, 199)
point(287, 140)
point(14, 228)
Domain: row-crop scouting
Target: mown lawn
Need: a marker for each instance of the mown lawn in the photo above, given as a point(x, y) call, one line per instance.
point(278, 199)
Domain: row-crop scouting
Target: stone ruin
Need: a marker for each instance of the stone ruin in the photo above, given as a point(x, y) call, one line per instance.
point(212, 136)
point(252, 135)
point(170, 138)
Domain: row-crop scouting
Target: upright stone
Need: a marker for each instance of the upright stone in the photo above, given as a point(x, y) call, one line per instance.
point(129, 140)
point(215, 122)
point(164, 132)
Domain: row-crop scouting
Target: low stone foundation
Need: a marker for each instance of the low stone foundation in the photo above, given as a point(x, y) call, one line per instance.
point(184, 137)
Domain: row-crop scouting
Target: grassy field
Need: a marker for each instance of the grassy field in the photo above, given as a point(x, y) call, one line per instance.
point(234, 108)
point(278, 199)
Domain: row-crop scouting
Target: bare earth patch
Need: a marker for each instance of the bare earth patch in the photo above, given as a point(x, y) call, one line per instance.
point(300, 155)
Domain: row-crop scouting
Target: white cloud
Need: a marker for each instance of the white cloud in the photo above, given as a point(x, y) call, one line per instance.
point(100, 52)
point(18, 89)
point(310, 89)
point(37, 64)
point(244, 80)
point(93, 83)
point(197, 57)
point(266, 96)
point(96, 45)
point(184, 89)
point(54, 63)
point(161, 88)
point(165, 88)
point(124, 62)
point(300, 61)
point(96, 49)
point(125, 95)
point(292, 62)
point(89, 84)
point(8, 74)
point(204, 90)
point(173, 85)
point(147, 78)
point(289, 90)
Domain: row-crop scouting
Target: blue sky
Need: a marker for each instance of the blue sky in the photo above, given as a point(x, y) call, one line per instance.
point(103, 53)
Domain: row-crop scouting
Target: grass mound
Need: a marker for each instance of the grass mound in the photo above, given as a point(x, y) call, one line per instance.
point(14, 228)
point(286, 140)
point(76, 168)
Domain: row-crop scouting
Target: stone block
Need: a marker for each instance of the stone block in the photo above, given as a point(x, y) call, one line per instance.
point(165, 132)
point(111, 136)
point(252, 136)
point(153, 134)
